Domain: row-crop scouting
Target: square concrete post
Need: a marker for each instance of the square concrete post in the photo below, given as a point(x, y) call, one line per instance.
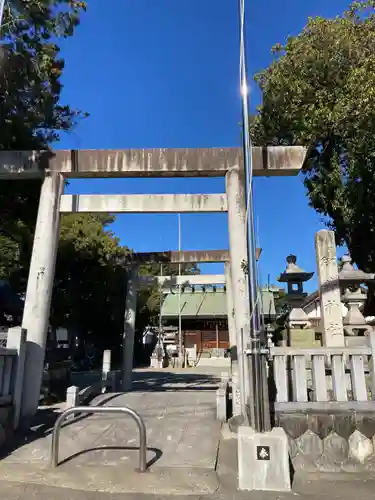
point(235, 190)
point(221, 401)
point(106, 368)
point(129, 328)
point(329, 289)
point(39, 289)
point(17, 340)
point(72, 397)
point(263, 460)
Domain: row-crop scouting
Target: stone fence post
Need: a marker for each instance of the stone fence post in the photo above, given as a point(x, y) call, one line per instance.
point(106, 368)
point(17, 340)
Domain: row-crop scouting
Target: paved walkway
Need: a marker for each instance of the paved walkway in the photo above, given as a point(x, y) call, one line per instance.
point(314, 490)
point(188, 458)
point(101, 452)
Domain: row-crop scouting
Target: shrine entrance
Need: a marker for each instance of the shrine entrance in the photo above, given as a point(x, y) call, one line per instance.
point(57, 166)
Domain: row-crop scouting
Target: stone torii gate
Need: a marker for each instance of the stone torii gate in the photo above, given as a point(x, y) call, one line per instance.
point(136, 282)
point(56, 166)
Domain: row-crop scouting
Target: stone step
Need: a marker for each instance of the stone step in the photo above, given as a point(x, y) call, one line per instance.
point(119, 479)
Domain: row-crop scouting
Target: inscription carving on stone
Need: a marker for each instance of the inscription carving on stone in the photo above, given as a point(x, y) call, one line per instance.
point(329, 289)
point(327, 260)
point(334, 329)
point(238, 397)
point(331, 307)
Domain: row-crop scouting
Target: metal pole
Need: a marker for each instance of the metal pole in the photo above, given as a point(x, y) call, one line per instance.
point(247, 149)
point(217, 338)
point(179, 296)
point(160, 306)
point(257, 385)
point(2, 6)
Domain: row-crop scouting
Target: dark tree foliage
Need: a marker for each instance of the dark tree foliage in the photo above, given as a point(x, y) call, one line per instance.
point(320, 92)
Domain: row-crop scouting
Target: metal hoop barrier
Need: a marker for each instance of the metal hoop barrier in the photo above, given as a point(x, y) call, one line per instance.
point(100, 409)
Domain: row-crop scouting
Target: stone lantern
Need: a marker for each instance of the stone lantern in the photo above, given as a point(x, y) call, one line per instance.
point(354, 297)
point(299, 332)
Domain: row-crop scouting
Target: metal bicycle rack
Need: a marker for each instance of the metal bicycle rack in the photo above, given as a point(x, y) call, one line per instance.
point(100, 409)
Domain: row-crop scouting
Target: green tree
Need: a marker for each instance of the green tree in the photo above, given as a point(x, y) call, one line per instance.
point(320, 92)
point(19, 204)
point(31, 115)
point(89, 289)
point(31, 68)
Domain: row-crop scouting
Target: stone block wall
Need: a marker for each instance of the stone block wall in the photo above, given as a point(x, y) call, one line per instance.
point(330, 442)
point(6, 424)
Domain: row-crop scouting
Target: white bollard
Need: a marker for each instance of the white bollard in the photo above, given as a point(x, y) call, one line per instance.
point(72, 397)
point(106, 368)
point(221, 402)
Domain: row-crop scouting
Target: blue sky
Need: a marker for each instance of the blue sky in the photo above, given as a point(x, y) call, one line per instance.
point(164, 73)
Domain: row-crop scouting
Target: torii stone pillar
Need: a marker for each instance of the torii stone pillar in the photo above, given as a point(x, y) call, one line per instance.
point(329, 289)
point(129, 328)
point(240, 291)
point(236, 401)
point(39, 290)
point(230, 307)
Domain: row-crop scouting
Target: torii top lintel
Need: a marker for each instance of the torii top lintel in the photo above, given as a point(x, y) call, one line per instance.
point(185, 256)
point(203, 162)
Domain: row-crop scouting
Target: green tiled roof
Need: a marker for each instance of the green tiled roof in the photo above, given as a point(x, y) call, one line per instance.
point(207, 304)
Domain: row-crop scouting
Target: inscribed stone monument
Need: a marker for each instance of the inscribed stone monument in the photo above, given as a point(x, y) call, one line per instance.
point(329, 289)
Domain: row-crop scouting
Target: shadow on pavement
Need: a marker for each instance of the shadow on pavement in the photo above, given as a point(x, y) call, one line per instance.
point(143, 381)
point(156, 451)
point(41, 426)
point(167, 381)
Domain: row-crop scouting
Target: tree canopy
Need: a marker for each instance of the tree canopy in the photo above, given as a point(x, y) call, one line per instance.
point(89, 288)
point(90, 277)
point(320, 92)
point(32, 115)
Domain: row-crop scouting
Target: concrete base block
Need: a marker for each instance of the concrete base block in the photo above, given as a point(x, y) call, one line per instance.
point(263, 460)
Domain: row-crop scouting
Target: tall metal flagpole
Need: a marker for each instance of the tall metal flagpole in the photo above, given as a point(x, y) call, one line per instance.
point(255, 366)
point(2, 6)
point(180, 343)
point(161, 296)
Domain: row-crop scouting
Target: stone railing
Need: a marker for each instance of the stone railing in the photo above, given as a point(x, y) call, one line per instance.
point(12, 359)
point(8, 360)
point(325, 402)
point(324, 377)
point(3, 339)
